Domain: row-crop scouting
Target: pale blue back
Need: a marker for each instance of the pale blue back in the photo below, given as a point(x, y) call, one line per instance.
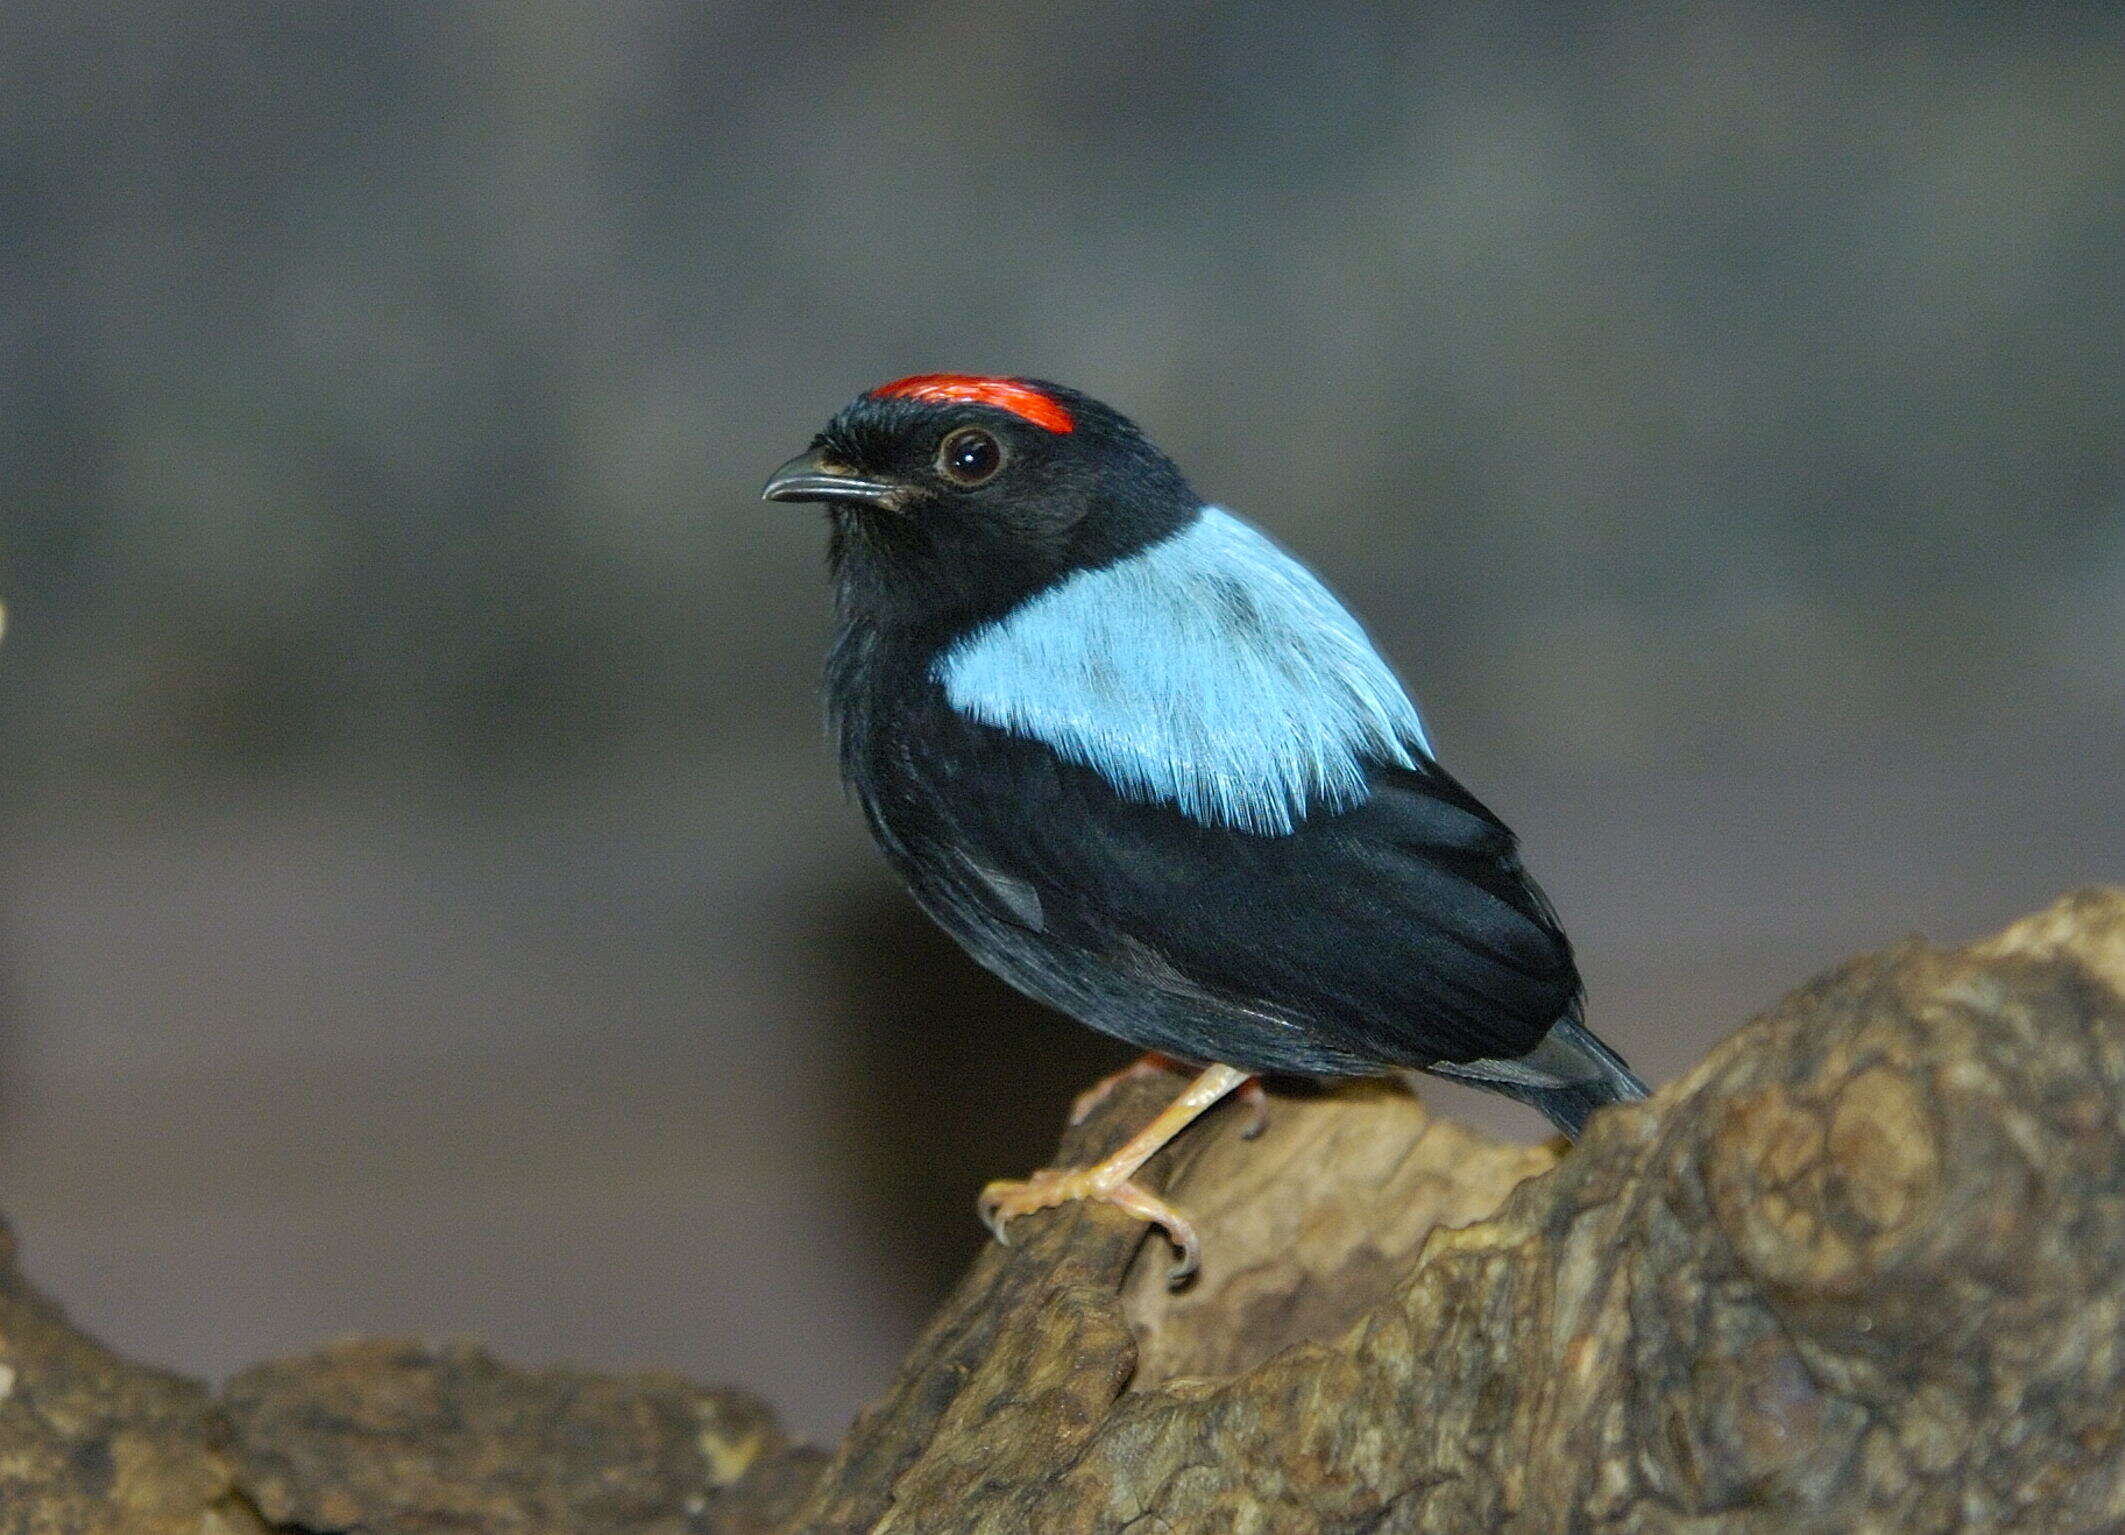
point(1212, 672)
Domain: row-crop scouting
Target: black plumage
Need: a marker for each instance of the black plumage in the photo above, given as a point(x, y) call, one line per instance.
point(1398, 932)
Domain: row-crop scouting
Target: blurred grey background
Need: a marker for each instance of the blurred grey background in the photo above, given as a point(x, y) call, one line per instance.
point(426, 905)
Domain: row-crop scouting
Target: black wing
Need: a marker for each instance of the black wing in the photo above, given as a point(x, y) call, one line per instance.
point(1400, 932)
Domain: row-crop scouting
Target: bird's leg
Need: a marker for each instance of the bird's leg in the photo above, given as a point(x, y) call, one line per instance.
point(1154, 1062)
point(1150, 1063)
point(1109, 1180)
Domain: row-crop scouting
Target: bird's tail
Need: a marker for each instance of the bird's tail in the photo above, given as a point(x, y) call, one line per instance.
point(1568, 1076)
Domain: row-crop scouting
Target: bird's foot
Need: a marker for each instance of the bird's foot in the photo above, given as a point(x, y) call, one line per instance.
point(1008, 1198)
point(1151, 1063)
point(1109, 1180)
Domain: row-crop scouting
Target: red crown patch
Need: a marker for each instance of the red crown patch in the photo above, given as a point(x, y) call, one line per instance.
point(1021, 400)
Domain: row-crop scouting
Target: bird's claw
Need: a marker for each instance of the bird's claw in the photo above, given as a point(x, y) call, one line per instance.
point(1008, 1198)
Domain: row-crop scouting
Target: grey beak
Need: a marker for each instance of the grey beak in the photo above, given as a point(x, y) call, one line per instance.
point(807, 477)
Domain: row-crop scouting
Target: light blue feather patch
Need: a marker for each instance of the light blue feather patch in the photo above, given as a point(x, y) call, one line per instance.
point(1212, 672)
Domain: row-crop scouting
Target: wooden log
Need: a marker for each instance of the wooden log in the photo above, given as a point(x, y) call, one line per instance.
point(1862, 1270)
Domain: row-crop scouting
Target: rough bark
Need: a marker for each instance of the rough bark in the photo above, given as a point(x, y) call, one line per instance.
point(1862, 1270)
point(89, 1442)
point(371, 1435)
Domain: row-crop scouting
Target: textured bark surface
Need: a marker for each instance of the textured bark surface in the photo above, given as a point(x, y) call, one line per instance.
point(395, 1436)
point(1863, 1270)
point(371, 1436)
point(89, 1442)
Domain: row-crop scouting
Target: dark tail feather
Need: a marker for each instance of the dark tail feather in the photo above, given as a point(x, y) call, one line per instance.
point(1569, 1107)
point(1568, 1076)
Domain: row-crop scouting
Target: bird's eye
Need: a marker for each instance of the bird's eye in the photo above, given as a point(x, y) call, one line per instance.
point(970, 456)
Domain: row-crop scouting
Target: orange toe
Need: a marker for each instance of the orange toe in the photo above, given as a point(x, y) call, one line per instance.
point(1008, 1198)
point(1004, 1201)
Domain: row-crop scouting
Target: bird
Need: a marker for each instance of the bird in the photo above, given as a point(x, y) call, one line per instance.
point(1142, 764)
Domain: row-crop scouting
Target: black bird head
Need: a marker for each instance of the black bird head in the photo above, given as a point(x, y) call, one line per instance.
point(954, 497)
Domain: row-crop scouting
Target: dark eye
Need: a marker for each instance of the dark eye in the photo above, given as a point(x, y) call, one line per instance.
point(970, 456)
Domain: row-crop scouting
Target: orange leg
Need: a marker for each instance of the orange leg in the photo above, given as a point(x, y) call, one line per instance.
point(1006, 1199)
point(1150, 1063)
point(1153, 1063)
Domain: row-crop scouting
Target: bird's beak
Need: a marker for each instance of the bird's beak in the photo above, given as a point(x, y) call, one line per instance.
point(809, 477)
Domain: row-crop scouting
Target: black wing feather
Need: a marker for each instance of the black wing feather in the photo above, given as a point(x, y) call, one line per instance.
point(1400, 932)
